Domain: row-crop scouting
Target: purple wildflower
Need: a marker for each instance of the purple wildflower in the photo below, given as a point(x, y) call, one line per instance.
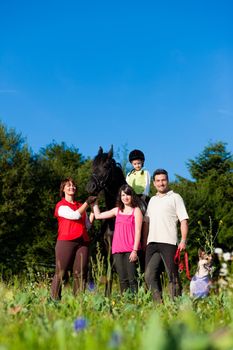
point(91, 286)
point(115, 340)
point(80, 323)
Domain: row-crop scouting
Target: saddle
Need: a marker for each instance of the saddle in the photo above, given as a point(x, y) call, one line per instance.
point(143, 202)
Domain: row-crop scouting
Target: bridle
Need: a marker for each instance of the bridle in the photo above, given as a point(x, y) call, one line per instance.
point(103, 182)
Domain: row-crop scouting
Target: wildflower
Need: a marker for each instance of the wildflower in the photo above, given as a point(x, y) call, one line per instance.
point(223, 271)
point(116, 340)
point(15, 310)
point(91, 286)
point(80, 323)
point(226, 256)
point(218, 251)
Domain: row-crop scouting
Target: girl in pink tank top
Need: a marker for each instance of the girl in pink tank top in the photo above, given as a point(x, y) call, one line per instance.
point(126, 236)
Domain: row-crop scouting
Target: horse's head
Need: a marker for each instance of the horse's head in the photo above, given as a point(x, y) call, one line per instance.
point(102, 170)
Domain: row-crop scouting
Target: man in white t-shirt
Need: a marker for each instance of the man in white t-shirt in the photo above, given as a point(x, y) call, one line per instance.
point(164, 211)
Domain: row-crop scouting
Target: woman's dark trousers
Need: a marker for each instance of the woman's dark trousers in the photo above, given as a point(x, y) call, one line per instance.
point(70, 255)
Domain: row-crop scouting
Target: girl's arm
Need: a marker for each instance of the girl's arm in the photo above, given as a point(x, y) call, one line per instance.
point(105, 214)
point(138, 227)
point(91, 217)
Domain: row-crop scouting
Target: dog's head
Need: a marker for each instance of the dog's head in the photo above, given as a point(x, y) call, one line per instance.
point(204, 263)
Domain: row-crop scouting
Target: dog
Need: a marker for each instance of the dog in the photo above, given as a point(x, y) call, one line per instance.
point(201, 281)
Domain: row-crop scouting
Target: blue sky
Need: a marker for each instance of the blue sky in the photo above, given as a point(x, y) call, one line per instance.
point(152, 75)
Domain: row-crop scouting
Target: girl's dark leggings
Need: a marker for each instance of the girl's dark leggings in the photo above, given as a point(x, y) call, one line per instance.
point(127, 272)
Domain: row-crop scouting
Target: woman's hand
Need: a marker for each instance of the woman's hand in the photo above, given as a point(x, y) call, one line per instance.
point(91, 200)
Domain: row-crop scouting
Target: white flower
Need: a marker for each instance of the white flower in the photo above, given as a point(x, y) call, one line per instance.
point(218, 251)
point(226, 256)
point(223, 272)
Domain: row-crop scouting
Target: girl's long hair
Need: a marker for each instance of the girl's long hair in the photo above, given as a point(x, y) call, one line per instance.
point(130, 192)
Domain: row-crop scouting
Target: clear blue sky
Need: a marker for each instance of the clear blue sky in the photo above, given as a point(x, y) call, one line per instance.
point(153, 75)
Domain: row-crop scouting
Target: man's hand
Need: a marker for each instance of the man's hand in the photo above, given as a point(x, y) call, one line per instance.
point(182, 245)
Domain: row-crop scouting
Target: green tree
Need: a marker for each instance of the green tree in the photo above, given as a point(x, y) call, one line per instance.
point(16, 189)
point(214, 157)
point(210, 196)
point(29, 190)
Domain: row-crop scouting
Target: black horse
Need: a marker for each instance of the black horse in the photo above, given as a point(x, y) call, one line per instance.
point(107, 177)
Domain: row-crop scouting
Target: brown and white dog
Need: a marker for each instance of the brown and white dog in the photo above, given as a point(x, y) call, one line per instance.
point(201, 281)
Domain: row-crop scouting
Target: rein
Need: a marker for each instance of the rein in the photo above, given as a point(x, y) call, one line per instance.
point(103, 183)
point(182, 263)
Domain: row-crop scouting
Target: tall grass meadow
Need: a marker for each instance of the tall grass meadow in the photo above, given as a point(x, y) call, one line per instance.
point(29, 319)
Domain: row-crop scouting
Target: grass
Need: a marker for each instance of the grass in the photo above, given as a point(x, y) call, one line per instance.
point(30, 320)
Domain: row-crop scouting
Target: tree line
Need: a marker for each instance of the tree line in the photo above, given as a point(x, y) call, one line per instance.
point(29, 190)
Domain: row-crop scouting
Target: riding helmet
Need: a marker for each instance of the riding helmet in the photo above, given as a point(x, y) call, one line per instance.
point(136, 154)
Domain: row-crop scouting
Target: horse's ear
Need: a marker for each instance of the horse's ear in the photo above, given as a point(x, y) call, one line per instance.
point(100, 151)
point(110, 153)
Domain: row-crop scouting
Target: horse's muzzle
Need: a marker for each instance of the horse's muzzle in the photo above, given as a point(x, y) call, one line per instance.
point(92, 188)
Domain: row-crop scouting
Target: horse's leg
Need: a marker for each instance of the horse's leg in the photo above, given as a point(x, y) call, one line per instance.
point(109, 278)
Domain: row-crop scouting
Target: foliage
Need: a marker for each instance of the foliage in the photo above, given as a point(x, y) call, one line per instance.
point(16, 193)
point(30, 320)
point(208, 238)
point(210, 196)
point(214, 157)
point(29, 186)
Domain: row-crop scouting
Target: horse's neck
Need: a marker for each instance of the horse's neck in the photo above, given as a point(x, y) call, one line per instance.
point(111, 191)
point(110, 200)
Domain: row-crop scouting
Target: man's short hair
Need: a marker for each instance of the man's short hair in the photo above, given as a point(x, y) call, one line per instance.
point(159, 172)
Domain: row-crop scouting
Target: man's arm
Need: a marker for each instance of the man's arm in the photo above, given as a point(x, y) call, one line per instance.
point(184, 233)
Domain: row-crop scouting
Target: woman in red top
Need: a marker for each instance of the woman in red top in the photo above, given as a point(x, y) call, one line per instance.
point(72, 242)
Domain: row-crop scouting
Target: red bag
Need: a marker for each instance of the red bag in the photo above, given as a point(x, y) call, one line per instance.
point(182, 262)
